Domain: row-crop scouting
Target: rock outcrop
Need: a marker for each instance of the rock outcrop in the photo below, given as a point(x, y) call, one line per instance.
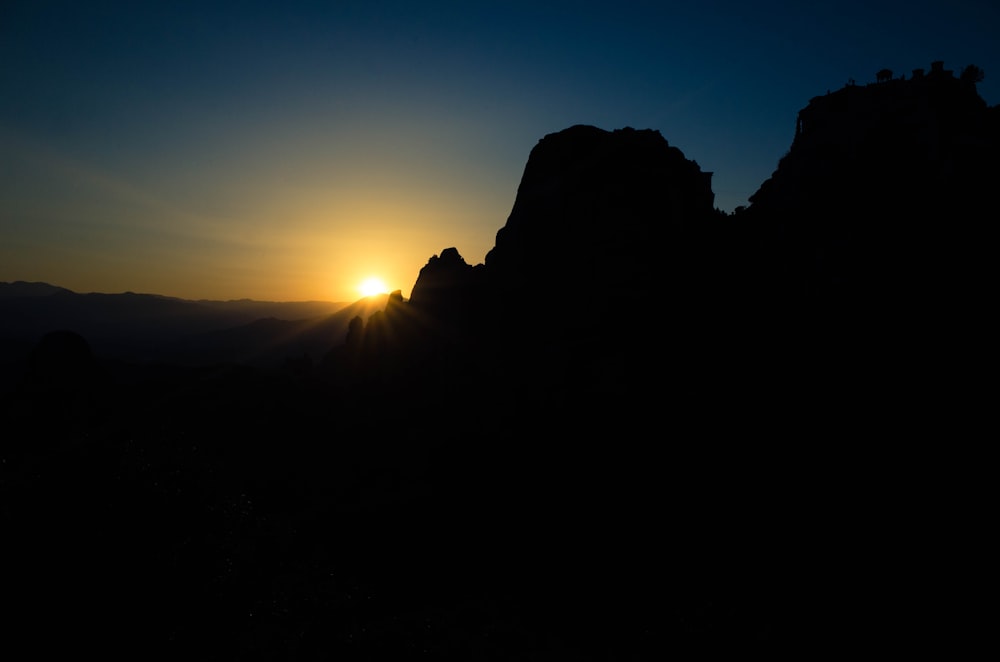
point(881, 196)
point(605, 224)
point(871, 240)
point(863, 247)
point(445, 288)
point(598, 215)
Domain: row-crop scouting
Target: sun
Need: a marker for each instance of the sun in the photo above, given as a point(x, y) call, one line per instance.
point(372, 286)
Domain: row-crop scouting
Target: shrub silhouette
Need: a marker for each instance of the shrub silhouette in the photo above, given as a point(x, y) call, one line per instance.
point(972, 74)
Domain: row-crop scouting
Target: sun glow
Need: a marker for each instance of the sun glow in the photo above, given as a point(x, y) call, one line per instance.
point(372, 286)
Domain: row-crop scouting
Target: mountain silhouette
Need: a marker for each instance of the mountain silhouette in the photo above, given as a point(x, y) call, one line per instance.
point(828, 319)
point(147, 328)
point(865, 247)
point(642, 427)
point(21, 288)
point(881, 191)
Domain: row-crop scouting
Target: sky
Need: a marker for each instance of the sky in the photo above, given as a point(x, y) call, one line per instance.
point(287, 151)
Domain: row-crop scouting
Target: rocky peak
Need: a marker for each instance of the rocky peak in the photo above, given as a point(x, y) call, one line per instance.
point(599, 211)
point(881, 191)
point(925, 135)
point(603, 224)
point(443, 286)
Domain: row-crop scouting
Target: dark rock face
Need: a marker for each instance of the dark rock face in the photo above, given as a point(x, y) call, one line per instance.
point(598, 214)
point(882, 193)
point(854, 273)
point(445, 287)
point(871, 245)
point(604, 222)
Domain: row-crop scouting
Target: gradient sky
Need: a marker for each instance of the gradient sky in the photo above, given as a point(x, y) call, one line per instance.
point(287, 150)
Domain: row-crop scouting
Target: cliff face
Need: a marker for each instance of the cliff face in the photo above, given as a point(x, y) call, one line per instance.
point(933, 130)
point(599, 213)
point(882, 192)
point(445, 288)
point(879, 198)
point(599, 216)
point(605, 223)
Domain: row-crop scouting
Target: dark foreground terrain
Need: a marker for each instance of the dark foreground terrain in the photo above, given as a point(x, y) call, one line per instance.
point(228, 513)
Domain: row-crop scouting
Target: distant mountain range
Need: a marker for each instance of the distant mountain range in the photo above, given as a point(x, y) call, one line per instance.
point(154, 328)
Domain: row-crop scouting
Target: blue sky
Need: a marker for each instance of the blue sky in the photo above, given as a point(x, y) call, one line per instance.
point(288, 150)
